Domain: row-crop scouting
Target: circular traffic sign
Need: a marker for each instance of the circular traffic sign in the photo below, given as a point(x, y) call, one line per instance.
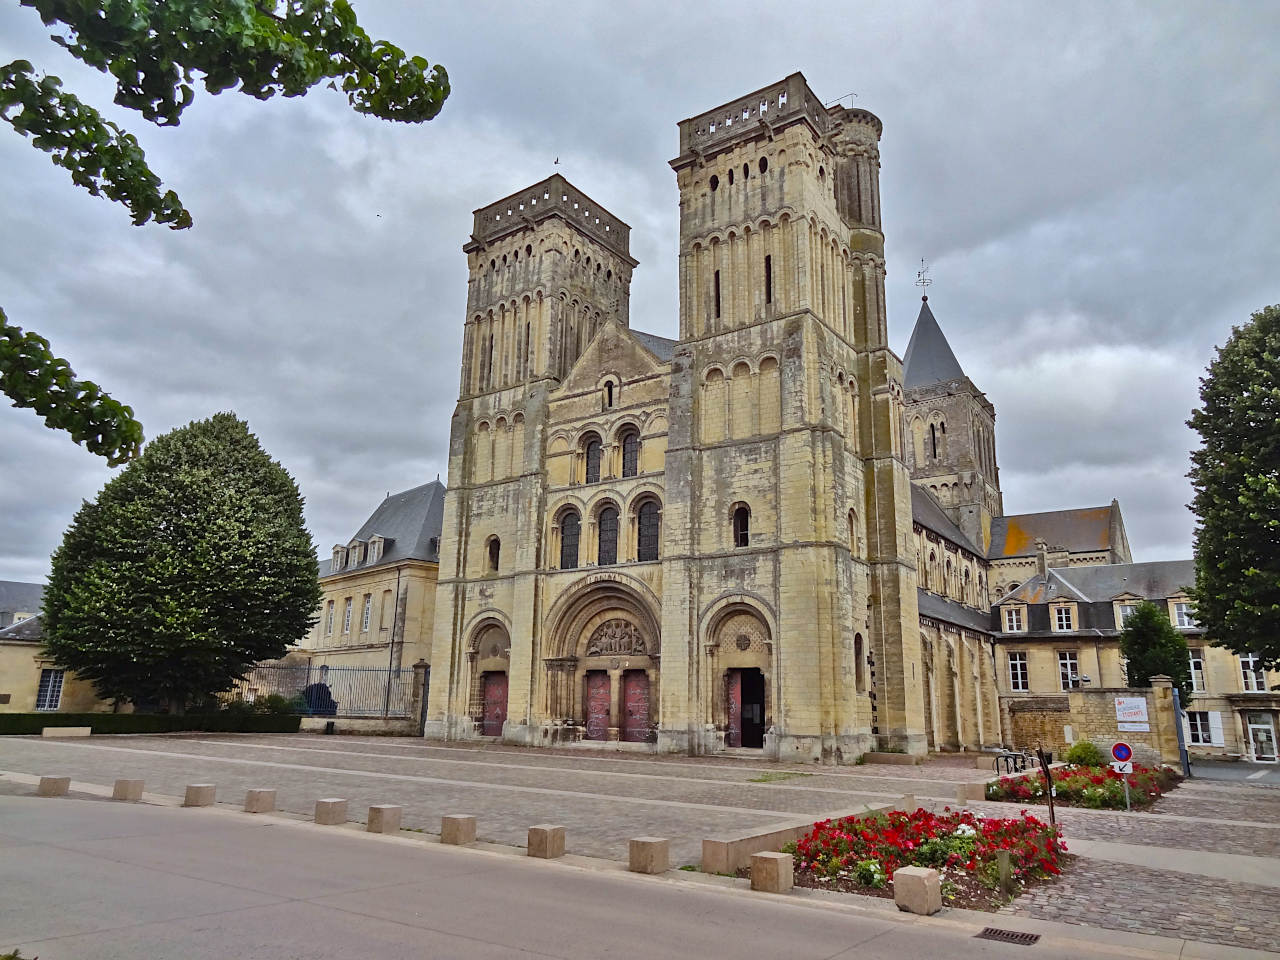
point(1122, 751)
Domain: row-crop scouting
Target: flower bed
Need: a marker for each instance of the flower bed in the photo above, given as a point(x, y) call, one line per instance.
point(860, 854)
point(1098, 787)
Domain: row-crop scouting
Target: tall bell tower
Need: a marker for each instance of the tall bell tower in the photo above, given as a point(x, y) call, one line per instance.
point(786, 404)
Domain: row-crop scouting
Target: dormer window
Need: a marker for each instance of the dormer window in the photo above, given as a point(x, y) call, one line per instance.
point(1013, 620)
point(339, 559)
point(374, 552)
point(355, 553)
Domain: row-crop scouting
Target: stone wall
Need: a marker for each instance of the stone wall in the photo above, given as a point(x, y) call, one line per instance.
point(1055, 722)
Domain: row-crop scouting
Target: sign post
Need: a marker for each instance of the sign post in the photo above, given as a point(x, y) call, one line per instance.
point(1122, 763)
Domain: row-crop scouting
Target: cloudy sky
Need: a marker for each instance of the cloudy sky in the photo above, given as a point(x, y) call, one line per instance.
point(1093, 185)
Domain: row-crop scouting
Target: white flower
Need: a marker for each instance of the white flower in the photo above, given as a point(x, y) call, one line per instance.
point(965, 830)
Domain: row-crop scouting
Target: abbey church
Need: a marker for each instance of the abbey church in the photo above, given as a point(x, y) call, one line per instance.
point(771, 534)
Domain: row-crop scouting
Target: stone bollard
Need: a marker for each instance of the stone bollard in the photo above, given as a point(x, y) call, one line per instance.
point(259, 801)
point(909, 802)
point(384, 818)
point(917, 890)
point(648, 855)
point(199, 795)
point(546, 841)
point(53, 786)
point(969, 792)
point(772, 872)
point(127, 790)
point(331, 812)
point(1004, 870)
point(458, 829)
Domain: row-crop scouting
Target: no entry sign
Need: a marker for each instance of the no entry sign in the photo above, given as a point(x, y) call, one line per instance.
point(1122, 752)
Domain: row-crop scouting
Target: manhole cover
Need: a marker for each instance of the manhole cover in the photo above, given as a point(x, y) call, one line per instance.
point(1008, 936)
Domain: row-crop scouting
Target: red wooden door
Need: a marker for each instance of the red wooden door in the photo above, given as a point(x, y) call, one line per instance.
point(635, 706)
point(598, 705)
point(733, 702)
point(495, 704)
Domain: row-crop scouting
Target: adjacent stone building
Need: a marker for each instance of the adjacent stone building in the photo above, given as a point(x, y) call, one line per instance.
point(1058, 632)
point(29, 680)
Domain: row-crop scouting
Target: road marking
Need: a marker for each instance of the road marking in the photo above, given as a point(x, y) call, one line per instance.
point(1257, 776)
point(510, 788)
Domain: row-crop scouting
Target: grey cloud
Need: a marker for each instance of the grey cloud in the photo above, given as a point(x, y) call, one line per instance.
point(1092, 186)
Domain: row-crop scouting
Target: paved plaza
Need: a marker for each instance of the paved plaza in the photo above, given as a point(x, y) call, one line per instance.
point(1204, 866)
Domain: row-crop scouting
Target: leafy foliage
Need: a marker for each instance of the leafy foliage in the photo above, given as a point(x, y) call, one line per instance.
point(191, 565)
point(1086, 754)
point(31, 376)
point(157, 53)
point(1236, 477)
point(1097, 787)
point(1151, 647)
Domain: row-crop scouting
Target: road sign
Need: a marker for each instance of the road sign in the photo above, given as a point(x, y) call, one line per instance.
point(1122, 766)
point(1121, 751)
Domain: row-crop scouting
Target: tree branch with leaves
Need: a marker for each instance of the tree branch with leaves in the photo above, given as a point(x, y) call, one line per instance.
point(158, 52)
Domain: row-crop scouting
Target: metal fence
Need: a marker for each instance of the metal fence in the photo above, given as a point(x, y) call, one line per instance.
point(326, 691)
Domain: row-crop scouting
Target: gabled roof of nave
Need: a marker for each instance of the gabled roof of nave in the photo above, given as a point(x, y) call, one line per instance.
point(929, 358)
point(929, 513)
point(651, 353)
point(1080, 530)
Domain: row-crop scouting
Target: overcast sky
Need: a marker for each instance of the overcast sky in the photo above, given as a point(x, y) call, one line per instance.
point(1093, 185)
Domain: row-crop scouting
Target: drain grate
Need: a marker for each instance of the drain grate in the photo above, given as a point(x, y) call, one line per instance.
point(1008, 936)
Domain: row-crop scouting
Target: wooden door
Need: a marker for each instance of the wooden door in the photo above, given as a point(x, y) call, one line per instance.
point(598, 703)
point(733, 703)
point(495, 704)
point(635, 706)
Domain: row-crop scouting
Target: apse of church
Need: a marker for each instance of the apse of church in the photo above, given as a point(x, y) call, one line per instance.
point(695, 545)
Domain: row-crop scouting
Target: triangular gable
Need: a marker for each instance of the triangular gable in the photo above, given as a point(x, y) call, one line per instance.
point(613, 349)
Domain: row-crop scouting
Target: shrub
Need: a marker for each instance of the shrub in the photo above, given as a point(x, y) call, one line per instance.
point(1085, 753)
point(13, 724)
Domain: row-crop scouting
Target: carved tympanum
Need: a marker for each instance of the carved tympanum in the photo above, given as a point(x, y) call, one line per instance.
point(616, 637)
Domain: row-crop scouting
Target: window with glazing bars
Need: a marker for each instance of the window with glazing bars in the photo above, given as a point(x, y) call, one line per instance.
point(608, 527)
point(570, 531)
point(648, 524)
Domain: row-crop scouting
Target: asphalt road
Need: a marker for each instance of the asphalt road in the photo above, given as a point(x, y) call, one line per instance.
point(1261, 773)
point(96, 880)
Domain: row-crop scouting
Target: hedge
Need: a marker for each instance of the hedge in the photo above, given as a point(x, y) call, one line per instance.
point(12, 724)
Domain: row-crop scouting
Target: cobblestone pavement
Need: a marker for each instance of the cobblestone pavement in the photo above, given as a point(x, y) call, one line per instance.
point(1162, 902)
point(603, 801)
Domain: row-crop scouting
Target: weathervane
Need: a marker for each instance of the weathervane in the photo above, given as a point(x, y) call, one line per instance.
point(923, 281)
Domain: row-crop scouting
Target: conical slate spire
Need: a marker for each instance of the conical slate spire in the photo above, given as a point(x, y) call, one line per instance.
point(929, 358)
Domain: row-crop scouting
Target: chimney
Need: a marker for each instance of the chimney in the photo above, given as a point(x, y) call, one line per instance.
point(1042, 557)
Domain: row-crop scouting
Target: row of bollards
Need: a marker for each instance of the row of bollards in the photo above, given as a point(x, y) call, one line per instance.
point(915, 889)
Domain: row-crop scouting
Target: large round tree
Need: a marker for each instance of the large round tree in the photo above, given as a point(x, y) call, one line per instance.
point(1236, 475)
point(191, 565)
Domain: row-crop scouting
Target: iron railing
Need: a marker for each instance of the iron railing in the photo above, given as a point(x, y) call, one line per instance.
point(324, 691)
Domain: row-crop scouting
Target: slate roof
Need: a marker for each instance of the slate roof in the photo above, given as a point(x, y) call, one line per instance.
point(1104, 582)
point(410, 522)
point(19, 597)
point(660, 347)
point(1079, 531)
point(940, 608)
point(927, 512)
point(929, 358)
point(28, 630)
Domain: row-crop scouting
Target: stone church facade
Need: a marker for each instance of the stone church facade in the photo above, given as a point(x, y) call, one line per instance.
point(714, 543)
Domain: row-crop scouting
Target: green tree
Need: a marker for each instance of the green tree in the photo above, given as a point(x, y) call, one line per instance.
point(1151, 647)
point(1236, 477)
point(158, 52)
point(192, 564)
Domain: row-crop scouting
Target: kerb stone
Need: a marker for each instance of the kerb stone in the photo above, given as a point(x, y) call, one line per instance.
point(384, 818)
point(127, 790)
point(917, 890)
point(457, 829)
point(772, 872)
point(259, 801)
point(199, 795)
point(546, 841)
point(331, 812)
point(53, 786)
point(648, 855)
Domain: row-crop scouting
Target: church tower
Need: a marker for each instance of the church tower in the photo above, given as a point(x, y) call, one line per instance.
point(950, 424)
point(547, 266)
point(787, 494)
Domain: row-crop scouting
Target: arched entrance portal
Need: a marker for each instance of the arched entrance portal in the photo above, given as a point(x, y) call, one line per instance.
point(602, 674)
point(740, 668)
point(490, 656)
